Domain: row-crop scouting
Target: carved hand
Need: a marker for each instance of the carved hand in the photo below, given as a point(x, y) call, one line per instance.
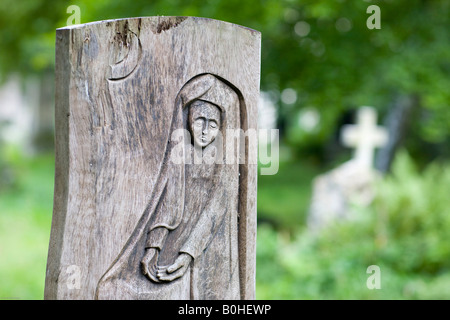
point(148, 264)
point(175, 270)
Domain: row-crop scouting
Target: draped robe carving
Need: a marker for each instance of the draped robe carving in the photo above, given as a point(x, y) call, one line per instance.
point(192, 209)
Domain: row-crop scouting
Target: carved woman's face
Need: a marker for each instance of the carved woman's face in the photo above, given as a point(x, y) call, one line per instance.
point(204, 122)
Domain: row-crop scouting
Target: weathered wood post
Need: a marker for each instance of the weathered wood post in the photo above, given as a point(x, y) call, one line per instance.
point(155, 188)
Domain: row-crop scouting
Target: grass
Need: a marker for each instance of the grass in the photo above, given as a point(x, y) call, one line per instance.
point(25, 220)
point(283, 198)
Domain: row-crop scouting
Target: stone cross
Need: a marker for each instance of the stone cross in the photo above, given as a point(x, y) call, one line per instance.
point(148, 203)
point(365, 136)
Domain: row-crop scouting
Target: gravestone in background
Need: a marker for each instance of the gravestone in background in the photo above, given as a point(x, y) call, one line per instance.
point(151, 201)
point(352, 183)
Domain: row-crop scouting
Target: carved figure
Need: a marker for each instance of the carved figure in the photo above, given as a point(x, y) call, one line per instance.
point(185, 245)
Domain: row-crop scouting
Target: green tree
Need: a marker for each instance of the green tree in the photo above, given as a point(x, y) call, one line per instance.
point(321, 49)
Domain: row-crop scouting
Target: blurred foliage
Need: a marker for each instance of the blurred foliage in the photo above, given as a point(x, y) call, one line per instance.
point(28, 36)
point(321, 49)
point(404, 232)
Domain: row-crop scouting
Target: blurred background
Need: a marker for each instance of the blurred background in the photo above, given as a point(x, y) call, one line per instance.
point(320, 63)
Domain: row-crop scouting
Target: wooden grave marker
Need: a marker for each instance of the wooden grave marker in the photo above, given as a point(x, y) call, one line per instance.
point(155, 185)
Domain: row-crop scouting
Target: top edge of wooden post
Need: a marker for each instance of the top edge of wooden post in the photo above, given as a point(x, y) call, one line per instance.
point(160, 19)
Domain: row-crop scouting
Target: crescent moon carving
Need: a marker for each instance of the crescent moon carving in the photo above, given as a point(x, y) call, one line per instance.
point(129, 56)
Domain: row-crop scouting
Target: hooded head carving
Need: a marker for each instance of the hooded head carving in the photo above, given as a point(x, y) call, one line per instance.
point(204, 122)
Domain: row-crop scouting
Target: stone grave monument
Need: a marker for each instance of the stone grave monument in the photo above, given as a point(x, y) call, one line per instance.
point(352, 183)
